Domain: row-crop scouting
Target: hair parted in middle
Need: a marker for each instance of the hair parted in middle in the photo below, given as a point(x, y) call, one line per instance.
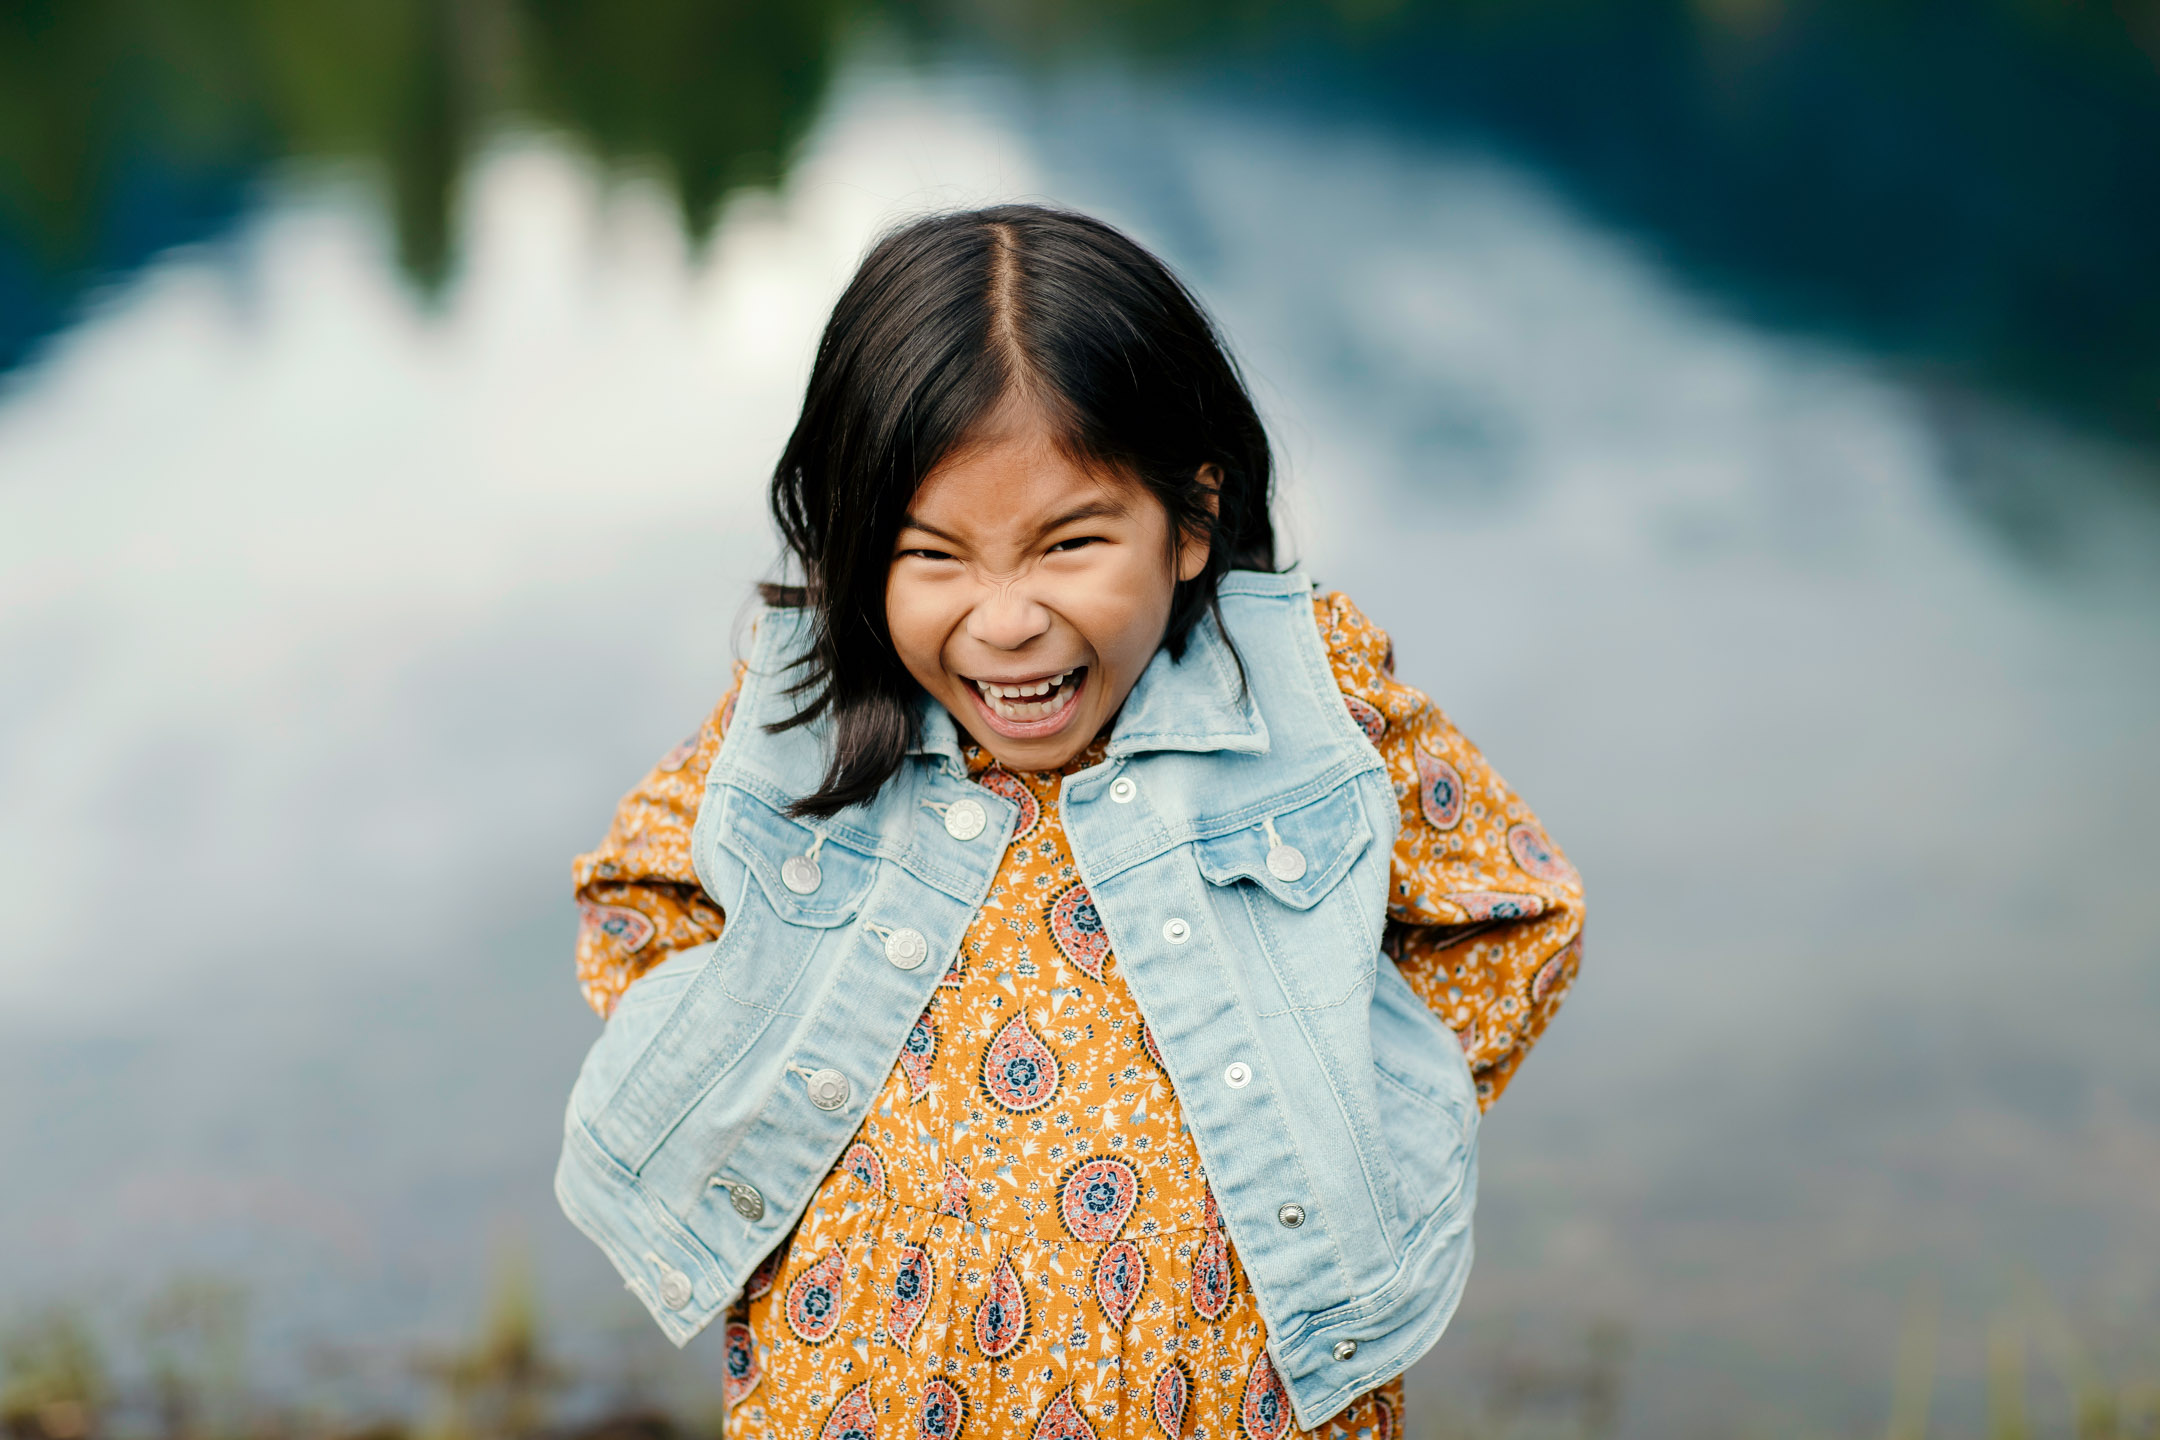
point(947, 318)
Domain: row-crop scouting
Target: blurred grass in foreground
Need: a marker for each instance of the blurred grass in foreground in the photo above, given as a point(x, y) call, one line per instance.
point(189, 1381)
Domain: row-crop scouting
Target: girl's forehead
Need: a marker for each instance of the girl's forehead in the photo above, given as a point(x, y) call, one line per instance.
point(1020, 485)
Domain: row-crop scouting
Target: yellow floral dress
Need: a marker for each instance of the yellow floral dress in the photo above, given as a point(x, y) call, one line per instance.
point(1020, 1239)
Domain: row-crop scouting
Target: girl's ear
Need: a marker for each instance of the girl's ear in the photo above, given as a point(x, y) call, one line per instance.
point(1193, 548)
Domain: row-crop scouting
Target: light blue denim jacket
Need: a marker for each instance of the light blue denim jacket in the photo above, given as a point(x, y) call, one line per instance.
point(1332, 1110)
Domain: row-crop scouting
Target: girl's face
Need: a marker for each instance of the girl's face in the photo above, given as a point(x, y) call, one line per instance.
point(1027, 593)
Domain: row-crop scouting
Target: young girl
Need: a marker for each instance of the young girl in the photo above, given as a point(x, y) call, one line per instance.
point(1053, 995)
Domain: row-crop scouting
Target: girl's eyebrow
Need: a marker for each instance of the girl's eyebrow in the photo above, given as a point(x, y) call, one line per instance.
point(1093, 510)
point(909, 522)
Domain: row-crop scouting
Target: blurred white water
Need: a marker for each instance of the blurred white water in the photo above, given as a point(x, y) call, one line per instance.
point(330, 627)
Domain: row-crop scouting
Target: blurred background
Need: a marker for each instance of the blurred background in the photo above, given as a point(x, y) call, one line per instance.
point(1745, 414)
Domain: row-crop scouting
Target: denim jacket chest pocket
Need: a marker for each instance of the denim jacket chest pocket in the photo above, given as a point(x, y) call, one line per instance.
point(1288, 867)
point(801, 883)
point(809, 876)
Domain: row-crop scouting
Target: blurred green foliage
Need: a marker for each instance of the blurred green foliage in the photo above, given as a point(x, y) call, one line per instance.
point(1969, 185)
point(52, 1379)
point(191, 1382)
point(715, 93)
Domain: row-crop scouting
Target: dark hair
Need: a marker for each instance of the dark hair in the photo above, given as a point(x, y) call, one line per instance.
point(947, 317)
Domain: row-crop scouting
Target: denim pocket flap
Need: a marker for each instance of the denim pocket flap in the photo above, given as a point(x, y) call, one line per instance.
point(807, 877)
point(1296, 855)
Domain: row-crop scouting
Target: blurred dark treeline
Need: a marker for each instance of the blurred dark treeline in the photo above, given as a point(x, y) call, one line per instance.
point(1969, 186)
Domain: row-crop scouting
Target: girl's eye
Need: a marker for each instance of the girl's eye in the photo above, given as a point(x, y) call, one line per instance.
point(1075, 543)
point(922, 554)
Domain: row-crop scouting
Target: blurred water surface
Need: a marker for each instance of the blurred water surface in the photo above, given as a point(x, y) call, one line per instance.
point(1745, 429)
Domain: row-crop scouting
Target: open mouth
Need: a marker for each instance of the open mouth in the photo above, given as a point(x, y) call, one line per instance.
point(1030, 708)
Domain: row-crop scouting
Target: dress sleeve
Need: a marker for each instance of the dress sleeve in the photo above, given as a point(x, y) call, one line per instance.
point(1484, 911)
point(638, 898)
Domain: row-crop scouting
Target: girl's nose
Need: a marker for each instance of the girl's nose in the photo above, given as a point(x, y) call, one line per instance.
point(1006, 618)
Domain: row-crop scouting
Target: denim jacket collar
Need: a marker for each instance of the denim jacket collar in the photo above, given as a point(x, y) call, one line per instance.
point(1198, 702)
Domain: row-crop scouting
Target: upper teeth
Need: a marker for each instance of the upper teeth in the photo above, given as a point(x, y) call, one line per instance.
point(1024, 692)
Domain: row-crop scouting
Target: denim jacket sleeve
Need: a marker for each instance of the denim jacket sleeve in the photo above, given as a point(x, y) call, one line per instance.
point(638, 897)
point(1484, 911)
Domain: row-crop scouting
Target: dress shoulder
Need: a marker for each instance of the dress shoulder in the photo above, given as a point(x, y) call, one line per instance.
point(638, 895)
point(1484, 910)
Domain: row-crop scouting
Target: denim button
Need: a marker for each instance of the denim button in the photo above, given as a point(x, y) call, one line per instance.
point(674, 1288)
point(1122, 789)
point(1291, 1216)
point(965, 819)
point(1286, 863)
point(1346, 1349)
point(747, 1201)
point(1238, 1076)
point(828, 1089)
point(800, 874)
point(906, 948)
point(1176, 931)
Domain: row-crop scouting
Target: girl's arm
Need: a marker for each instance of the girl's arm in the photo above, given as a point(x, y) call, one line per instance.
point(1484, 911)
point(638, 899)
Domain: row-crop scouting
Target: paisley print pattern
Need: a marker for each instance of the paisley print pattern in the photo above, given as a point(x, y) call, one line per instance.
point(1120, 1276)
point(978, 1189)
point(1368, 717)
point(914, 1280)
point(813, 1300)
point(760, 1283)
point(1497, 905)
point(1557, 973)
point(1062, 1420)
point(619, 923)
point(742, 1372)
point(953, 1192)
point(862, 1162)
point(1018, 1071)
point(1096, 1198)
point(1000, 781)
point(678, 757)
point(1167, 1397)
point(1078, 931)
point(1536, 855)
point(1213, 1286)
point(854, 1418)
point(1001, 1319)
point(1440, 791)
point(1154, 1051)
point(916, 1053)
point(943, 1412)
point(1386, 1424)
point(1265, 1413)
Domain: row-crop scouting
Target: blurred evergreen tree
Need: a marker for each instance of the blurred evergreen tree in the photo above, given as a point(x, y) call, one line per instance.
point(716, 92)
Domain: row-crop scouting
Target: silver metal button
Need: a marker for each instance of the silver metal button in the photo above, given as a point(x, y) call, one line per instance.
point(1286, 863)
point(1346, 1349)
point(1176, 931)
point(1122, 789)
point(906, 948)
point(965, 819)
point(800, 874)
point(675, 1289)
point(828, 1089)
point(1291, 1215)
point(1238, 1076)
point(747, 1201)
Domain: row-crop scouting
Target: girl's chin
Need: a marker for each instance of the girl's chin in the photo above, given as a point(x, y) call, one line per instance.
point(1046, 727)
